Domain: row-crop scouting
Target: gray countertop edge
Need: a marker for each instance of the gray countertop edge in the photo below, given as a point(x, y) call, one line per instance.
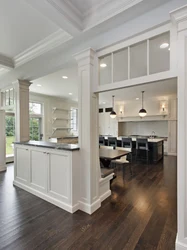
point(67, 147)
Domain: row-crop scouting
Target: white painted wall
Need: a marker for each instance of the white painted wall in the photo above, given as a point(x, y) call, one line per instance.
point(144, 128)
point(48, 104)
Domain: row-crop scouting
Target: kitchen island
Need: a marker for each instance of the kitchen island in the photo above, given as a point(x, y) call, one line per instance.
point(156, 147)
point(50, 171)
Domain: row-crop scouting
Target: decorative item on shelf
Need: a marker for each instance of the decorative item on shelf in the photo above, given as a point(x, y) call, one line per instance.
point(113, 113)
point(142, 112)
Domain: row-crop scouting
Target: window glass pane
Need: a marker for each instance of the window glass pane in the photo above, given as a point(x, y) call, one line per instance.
point(120, 62)
point(159, 55)
point(138, 60)
point(35, 108)
point(35, 124)
point(10, 134)
point(105, 69)
point(74, 119)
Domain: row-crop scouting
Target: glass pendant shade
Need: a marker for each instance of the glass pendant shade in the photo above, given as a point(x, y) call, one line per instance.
point(142, 112)
point(113, 114)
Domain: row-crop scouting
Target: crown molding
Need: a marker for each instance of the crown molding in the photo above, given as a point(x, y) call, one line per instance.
point(43, 46)
point(105, 10)
point(6, 62)
point(179, 18)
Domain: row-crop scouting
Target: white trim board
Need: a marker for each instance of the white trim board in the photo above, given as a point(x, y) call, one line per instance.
point(50, 42)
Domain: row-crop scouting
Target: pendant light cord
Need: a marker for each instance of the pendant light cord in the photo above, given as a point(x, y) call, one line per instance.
point(142, 98)
point(113, 102)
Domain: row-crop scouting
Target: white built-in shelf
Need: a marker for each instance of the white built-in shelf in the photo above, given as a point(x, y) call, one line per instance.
point(61, 119)
point(123, 117)
point(60, 109)
point(60, 128)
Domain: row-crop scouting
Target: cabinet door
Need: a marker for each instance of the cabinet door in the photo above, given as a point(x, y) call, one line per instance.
point(59, 176)
point(22, 157)
point(38, 169)
point(172, 139)
point(101, 124)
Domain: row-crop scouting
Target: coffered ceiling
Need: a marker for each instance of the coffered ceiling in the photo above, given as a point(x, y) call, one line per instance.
point(39, 37)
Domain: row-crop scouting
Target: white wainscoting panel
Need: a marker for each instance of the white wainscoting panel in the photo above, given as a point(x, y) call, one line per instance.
point(59, 176)
point(38, 169)
point(23, 158)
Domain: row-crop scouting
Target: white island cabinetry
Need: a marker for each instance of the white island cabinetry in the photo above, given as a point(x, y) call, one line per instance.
point(51, 174)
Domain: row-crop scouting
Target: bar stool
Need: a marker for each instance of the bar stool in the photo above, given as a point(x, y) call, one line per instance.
point(112, 141)
point(101, 140)
point(142, 146)
point(127, 144)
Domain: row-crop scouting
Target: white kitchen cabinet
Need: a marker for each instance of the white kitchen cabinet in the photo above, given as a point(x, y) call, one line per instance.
point(172, 137)
point(51, 174)
point(38, 172)
point(22, 159)
point(172, 109)
point(107, 125)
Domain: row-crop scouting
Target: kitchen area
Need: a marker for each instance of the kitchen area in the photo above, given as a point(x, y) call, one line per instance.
point(158, 125)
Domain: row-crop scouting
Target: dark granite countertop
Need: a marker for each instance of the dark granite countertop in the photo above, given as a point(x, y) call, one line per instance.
point(44, 144)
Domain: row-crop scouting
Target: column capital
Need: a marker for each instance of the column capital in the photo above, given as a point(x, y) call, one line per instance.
point(85, 57)
point(24, 84)
point(179, 18)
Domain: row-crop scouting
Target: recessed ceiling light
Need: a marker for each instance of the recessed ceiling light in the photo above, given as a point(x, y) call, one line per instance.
point(39, 85)
point(137, 98)
point(164, 45)
point(104, 102)
point(103, 65)
point(70, 94)
point(65, 77)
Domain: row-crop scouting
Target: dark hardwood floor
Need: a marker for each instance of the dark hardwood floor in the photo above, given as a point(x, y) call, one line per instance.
point(141, 214)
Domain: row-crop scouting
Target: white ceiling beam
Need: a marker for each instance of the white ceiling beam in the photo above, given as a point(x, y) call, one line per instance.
point(60, 13)
point(6, 62)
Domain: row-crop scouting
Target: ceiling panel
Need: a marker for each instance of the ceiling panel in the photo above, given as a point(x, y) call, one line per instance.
point(21, 27)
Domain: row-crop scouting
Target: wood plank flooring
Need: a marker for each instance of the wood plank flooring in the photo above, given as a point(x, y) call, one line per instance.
point(140, 215)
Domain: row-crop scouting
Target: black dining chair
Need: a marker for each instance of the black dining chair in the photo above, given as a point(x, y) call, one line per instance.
point(142, 145)
point(101, 140)
point(112, 141)
point(127, 144)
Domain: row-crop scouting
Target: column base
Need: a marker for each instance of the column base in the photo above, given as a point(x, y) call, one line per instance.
point(179, 245)
point(89, 208)
point(2, 168)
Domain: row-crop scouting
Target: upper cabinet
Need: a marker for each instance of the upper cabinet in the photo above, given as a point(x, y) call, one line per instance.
point(145, 58)
point(172, 109)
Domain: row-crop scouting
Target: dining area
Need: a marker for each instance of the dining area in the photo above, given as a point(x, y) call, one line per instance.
point(125, 152)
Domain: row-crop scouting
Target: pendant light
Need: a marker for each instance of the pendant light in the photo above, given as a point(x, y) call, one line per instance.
point(142, 112)
point(113, 113)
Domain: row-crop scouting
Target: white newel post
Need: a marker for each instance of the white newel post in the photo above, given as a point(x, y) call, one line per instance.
point(88, 132)
point(2, 141)
point(22, 110)
point(179, 21)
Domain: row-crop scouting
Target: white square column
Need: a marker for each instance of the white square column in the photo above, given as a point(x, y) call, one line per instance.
point(22, 110)
point(88, 132)
point(2, 141)
point(179, 21)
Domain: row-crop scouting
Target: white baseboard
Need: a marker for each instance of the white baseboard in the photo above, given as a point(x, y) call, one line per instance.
point(89, 209)
point(3, 168)
point(48, 198)
point(105, 195)
point(179, 245)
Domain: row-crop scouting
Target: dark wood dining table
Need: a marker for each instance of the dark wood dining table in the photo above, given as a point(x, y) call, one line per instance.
point(107, 155)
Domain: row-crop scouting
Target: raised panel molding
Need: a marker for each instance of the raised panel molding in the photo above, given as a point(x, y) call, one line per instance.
point(52, 41)
point(105, 10)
